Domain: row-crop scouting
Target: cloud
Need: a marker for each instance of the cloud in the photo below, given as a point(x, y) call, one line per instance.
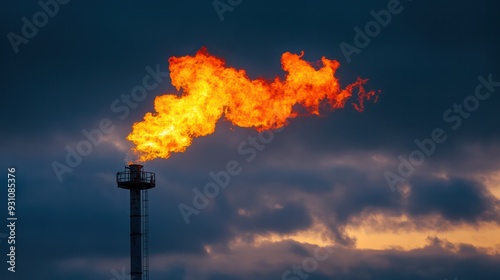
point(456, 200)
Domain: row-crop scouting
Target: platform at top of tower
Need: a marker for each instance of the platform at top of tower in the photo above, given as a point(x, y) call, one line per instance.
point(134, 178)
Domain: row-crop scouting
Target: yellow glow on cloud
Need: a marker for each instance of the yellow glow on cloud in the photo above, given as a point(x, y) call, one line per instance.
point(492, 182)
point(380, 231)
point(316, 235)
point(370, 234)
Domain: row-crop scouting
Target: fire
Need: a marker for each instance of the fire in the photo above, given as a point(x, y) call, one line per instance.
point(212, 90)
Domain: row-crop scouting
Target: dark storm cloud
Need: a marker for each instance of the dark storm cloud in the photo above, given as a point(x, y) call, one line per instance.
point(357, 192)
point(400, 111)
point(308, 181)
point(286, 219)
point(439, 259)
point(455, 199)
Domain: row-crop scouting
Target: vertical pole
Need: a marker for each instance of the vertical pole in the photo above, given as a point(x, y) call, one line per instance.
point(135, 235)
point(145, 236)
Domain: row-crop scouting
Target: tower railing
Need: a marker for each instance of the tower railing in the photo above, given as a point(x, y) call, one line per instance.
point(130, 177)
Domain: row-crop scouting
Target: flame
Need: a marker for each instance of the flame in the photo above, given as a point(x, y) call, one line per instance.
point(212, 90)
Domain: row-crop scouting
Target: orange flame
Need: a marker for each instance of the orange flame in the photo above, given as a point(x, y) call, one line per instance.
point(211, 90)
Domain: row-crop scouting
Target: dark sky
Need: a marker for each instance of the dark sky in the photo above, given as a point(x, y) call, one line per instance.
point(321, 180)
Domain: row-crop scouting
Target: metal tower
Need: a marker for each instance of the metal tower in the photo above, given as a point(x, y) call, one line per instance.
point(138, 182)
point(145, 235)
